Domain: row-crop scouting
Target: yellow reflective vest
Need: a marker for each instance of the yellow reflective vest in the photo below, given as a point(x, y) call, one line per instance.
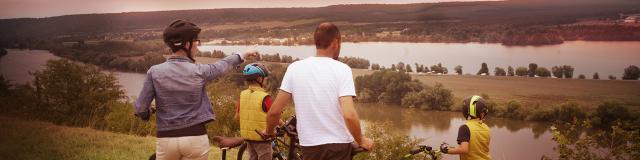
point(478, 142)
point(252, 117)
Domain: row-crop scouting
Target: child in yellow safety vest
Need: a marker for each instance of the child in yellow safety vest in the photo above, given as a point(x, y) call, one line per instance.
point(252, 111)
point(474, 136)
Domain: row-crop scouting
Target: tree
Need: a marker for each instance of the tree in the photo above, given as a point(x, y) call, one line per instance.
point(521, 71)
point(499, 71)
point(418, 68)
point(543, 72)
point(425, 69)
point(510, 71)
point(568, 71)
point(393, 67)
point(484, 69)
point(596, 76)
point(74, 94)
point(532, 69)
point(631, 73)
point(409, 68)
point(458, 69)
point(611, 77)
point(557, 71)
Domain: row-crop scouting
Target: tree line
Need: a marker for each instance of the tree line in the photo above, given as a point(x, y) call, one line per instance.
point(532, 70)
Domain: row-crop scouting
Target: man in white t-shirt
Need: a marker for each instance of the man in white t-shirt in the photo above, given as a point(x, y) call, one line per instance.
point(322, 89)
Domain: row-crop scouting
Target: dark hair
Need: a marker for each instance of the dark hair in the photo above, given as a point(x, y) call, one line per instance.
point(325, 34)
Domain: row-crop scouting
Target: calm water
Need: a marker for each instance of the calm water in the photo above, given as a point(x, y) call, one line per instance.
point(510, 139)
point(606, 58)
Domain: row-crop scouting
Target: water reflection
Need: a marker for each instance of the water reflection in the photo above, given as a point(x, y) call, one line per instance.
point(510, 139)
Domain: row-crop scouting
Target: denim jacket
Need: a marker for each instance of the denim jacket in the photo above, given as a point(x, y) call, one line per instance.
point(178, 86)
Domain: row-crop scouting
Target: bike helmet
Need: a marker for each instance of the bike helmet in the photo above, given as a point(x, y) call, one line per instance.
point(255, 70)
point(178, 33)
point(473, 106)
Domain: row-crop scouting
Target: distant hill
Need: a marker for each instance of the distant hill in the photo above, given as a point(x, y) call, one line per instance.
point(515, 12)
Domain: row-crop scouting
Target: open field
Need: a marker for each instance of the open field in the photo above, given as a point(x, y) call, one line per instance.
point(533, 91)
point(20, 139)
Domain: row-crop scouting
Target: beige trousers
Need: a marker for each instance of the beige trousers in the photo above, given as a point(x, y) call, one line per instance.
point(183, 148)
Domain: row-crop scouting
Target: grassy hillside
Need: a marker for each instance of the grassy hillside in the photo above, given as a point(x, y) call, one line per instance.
point(20, 139)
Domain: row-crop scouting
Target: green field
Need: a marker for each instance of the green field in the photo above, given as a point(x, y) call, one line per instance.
point(545, 92)
point(20, 139)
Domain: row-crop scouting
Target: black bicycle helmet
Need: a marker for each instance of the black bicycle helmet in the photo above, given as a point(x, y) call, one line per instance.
point(473, 106)
point(178, 33)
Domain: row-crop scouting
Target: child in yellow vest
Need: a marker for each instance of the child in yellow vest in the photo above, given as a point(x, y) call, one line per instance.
point(474, 136)
point(252, 111)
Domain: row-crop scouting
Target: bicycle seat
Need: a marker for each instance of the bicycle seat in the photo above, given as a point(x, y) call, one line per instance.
point(228, 142)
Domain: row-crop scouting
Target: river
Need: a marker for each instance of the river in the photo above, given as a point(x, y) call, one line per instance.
point(587, 57)
point(511, 139)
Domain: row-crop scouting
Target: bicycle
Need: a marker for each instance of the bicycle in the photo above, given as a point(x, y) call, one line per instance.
point(429, 152)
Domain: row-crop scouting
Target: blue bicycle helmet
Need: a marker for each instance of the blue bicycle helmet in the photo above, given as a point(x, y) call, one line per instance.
point(255, 70)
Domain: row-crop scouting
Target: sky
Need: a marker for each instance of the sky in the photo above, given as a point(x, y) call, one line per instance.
point(49, 8)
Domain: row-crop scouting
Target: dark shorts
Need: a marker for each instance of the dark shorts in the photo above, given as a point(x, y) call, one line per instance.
point(332, 151)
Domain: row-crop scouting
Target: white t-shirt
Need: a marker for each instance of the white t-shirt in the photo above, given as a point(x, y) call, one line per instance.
point(316, 84)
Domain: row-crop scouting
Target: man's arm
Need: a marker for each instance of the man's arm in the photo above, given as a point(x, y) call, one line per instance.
point(147, 94)
point(275, 112)
point(214, 70)
point(353, 122)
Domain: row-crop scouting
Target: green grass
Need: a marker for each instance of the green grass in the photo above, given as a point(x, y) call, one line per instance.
point(34, 140)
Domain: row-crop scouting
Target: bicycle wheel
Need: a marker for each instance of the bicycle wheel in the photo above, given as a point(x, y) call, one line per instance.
point(241, 150)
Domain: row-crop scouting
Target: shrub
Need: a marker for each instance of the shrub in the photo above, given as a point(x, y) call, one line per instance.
point(631, 73)
point(514, 110)
point(567, 112)
point(611, 77)
point(521, 71)
point(581, 76)
point(499, 71)
point(388, 144)
point(122, 120)
point(609, 112)
point(596, 76)
point(438, 97)
point(386, 86)
point(543, 72)
point(413, 99)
